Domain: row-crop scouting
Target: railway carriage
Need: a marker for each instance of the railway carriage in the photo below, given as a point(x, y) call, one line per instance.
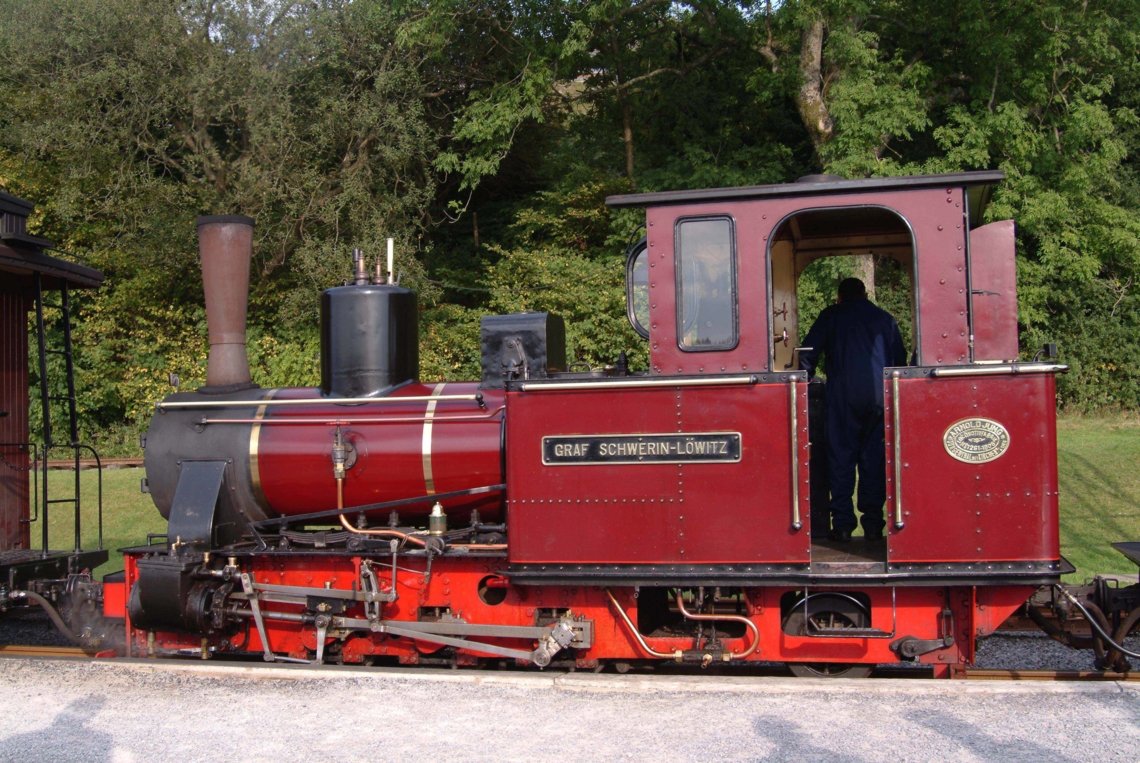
point(35, 287)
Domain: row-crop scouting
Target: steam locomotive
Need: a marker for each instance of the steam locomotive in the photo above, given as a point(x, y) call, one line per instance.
point(544, 516)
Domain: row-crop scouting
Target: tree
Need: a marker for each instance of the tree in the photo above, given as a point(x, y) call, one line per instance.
point(484, 135)
point(125, 121)
point(1045, 91)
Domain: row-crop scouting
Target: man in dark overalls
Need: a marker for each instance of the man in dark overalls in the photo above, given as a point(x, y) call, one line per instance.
point(858, 340)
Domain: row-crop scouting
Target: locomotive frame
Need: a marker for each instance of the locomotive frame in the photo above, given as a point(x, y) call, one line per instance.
point(546, 516)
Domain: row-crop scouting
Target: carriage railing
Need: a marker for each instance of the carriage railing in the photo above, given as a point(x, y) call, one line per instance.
point(46, 497)
point(31, 460)
point(73, 449)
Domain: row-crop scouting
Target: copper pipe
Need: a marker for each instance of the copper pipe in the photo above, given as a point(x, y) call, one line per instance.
point(633, 630)
point(390, 533)
point(385, 533)
point(734, 618)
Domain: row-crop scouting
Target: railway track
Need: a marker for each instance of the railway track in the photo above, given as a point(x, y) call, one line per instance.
point(36, 650)
point(990, 674)
point(89, 463)
point(969, 674)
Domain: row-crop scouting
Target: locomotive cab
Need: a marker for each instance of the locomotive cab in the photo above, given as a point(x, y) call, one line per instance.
point(714, 458)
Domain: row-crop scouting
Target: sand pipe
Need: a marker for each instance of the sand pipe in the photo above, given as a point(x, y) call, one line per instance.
point(226, 246)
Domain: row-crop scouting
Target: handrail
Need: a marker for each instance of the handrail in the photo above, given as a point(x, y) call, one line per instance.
point(339, 420)
point(194, 404)
point(1001, 369)
point(797, 523)
point(713, 381)
point(896, 440)
point(99, 483)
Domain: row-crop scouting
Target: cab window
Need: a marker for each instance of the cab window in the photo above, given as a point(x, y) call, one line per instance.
point(706, 284)
point(637, 287)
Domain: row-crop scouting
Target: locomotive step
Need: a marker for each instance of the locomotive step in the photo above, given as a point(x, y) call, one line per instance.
point(847, 632)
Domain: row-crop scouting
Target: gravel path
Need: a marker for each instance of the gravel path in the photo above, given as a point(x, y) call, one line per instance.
point(98, 711)
point(125, 711)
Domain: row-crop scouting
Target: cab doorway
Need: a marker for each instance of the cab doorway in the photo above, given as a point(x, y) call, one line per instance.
point(811, 252)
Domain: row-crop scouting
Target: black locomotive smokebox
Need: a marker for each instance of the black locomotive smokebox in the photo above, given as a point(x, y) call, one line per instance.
point(369, 339)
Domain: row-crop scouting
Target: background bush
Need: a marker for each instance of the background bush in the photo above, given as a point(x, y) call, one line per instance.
point(484, 136)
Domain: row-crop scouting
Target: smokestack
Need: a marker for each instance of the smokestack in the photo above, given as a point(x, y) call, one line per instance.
point(226, 246)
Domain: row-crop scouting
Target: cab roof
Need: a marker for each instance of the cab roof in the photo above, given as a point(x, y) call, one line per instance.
point(979, 187)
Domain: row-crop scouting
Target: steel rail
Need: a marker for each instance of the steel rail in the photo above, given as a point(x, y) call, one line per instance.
point(31, 650)
point(993, 674)
point(90, 463)
point(19, 651)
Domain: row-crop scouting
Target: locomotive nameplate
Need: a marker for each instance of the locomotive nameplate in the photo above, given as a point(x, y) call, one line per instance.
point(976, 440)
point(688, 448)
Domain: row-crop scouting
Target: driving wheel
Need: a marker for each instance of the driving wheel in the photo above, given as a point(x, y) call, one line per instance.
point(827, 612)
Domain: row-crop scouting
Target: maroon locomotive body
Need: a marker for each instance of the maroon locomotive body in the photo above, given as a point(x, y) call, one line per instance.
point(547, 516)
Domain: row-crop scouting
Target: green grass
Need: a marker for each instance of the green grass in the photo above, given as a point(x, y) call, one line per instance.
point(1099, 463)
point(128, 514)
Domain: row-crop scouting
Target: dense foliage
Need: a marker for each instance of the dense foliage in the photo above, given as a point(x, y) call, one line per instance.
point(484, 135)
